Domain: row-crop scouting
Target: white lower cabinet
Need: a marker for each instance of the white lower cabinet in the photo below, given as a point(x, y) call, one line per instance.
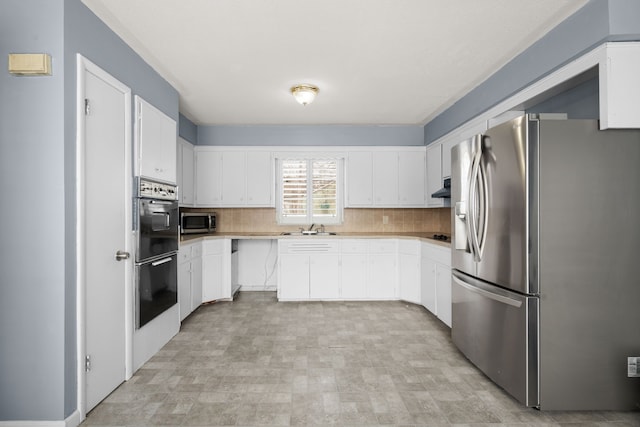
point(189, 278)
point(293, 277)
point(354, 276)
point(436, 281)
point(324, 276)
point(443, 293)
point(409, 270)
point(216, 269)
point(309, 269)
point(428, 283)
point(363, 269)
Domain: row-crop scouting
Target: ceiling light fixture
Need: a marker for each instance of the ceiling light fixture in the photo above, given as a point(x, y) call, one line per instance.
point(304, 93)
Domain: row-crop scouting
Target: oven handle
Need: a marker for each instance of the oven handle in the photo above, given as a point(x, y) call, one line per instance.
point(161, 261)
point(161, 202)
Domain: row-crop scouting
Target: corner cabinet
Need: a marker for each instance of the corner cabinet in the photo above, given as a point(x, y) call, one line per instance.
point(155, 143)
point(233, 178)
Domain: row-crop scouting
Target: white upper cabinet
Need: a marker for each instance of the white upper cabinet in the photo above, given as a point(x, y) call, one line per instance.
point(155, 142)
point(259, 179)
point(385, 178)
point(446, 157)
point(411, 177)
point(185, 173)
point(360, 179)
point(434, 174)
point(208, 178)
point(233, 178)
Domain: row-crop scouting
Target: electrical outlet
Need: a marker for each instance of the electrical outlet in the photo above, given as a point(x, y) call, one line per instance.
point(633, 367)
point(385, 219)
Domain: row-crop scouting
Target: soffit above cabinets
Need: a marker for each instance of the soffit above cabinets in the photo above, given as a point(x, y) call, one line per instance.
point(374, 61)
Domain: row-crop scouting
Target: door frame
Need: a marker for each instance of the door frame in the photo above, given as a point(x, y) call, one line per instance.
point(83, 66)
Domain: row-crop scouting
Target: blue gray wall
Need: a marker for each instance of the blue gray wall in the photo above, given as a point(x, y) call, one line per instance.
point(310, 135)
point(37, 180)
point(187, 129)
point(32, 265)
point(597, 22)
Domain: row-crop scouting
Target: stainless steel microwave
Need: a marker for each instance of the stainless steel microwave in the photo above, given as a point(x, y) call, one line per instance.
point(197, 222)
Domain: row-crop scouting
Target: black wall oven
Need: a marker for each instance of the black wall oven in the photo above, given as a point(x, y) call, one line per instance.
point(156, 209)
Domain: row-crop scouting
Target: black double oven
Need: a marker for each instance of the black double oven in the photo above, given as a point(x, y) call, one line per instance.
point(156, 225)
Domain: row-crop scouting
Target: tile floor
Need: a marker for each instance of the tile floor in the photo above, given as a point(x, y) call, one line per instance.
point(257, 362)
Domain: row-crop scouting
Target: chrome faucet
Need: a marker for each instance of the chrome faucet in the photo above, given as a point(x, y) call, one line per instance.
point(311, 227)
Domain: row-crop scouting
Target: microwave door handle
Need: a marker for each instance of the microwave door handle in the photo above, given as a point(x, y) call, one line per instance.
point(209, 221)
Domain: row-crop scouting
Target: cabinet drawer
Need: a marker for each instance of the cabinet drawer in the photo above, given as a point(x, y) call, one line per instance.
point(354, 246)
point(382, 246)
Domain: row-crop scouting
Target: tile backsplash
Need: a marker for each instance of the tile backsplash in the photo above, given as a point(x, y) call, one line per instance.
point(246, 220)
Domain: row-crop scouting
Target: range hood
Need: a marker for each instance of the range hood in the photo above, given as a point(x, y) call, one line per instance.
point(445, 191)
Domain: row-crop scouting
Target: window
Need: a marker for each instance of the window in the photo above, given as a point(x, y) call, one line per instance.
point(309, 191)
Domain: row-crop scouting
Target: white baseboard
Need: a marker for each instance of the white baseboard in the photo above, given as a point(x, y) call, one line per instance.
point(250, 288)
point(72, 420)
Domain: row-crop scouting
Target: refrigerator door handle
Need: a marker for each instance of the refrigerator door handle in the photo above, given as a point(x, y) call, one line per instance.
point(484, 185)
point(496, 297)
point(472, 221)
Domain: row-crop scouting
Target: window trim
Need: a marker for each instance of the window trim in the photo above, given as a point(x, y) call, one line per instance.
point(309, 218)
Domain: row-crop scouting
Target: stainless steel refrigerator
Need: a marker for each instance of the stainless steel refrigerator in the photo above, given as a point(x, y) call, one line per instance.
point(545, 256)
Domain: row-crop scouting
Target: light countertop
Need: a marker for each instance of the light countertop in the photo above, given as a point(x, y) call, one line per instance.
point(426, 236)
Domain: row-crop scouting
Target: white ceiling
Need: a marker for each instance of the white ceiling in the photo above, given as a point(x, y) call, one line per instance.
point(375, 61)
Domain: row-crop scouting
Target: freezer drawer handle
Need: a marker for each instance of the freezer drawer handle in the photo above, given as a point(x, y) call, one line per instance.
point(499, 298)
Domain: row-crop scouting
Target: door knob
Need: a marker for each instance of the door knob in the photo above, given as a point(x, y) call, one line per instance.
point(120, 255)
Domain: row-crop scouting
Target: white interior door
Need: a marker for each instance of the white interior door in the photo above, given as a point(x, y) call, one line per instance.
point(106, 196)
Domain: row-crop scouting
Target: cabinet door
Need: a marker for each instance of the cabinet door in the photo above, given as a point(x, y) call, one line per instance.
point(184, 289)
point(443, 293)
point(293, 277)
point(185, 173)
point(213, 278)
point(446, 157)
point(354, 276)
point(434, 174)
point(382, 276)
point(359, 179)
point(385, 178)
point(428, 284)
point(156, 142)
point(233, 178)
point(196, 283)
point(259, 177)
point(324, 276)
point(411, 178)
point(409, 278)
point(208, 178)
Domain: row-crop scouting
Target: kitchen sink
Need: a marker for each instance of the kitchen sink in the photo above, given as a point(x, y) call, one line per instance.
point(308, 233)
